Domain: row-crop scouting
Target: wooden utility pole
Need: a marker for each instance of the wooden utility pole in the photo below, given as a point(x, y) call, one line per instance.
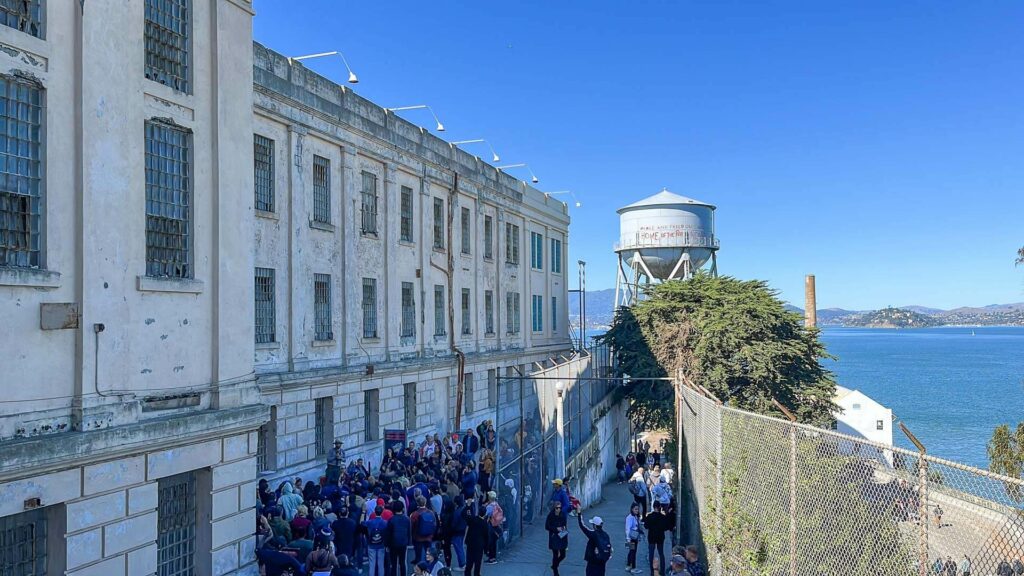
point(810, 302)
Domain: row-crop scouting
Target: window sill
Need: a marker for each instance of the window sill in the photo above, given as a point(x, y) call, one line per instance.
point(178, 285)
point(440, 250)
point(509, 263)
point(489, 334)
point(29, 277)
point(466, 254)
point(324, 226)
point(266, 215)
point(408, 243)
point(366, 234)
point(370, 339)
point(488, 258)
point(324, 343)
point(268, 345)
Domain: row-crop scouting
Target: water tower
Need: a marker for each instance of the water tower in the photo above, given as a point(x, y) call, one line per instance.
point(663, 237)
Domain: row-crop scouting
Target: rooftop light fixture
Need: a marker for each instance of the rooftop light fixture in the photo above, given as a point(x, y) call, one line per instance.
point(440, 127)
point(533, 177)
point(352, 79)
point(478, 140)
point(569, 192)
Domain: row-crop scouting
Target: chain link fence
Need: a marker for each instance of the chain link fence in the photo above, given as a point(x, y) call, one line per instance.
point(770, 497)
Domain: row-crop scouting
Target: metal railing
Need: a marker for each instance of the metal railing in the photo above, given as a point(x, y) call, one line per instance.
point(769, 496)
point(675, 240)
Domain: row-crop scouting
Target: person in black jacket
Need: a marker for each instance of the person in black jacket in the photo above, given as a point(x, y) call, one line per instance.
point(276, 562)
point(558, 537)
point(657, 523)
point(398, 536)
point(599, 544)
point(477, 530)
point(344, 529)
point(458, 531)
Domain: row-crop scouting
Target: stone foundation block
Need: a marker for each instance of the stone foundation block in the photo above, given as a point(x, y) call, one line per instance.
point(142, 562)
point(143, 498)
point(129, 533)
point(84, 548)
point(95, 511)
point(51, 489)
point(110, 567)
point(114, 474)
point(182, 459)
point(233, 474)
point(233, 528)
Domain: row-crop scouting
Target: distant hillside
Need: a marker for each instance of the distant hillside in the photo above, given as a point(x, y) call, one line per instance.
point(600, 304)
point(892, 318)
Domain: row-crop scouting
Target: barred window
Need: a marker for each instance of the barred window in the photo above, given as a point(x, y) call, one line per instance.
point(322, 306)
point(406, 231)
point(467, 325)
point(536, 251)
point(21, 201)
point(554, 314)
point(408, 310)
point(511, 243)
point(324, 424)
point(168, 43)
point(512, 312)
point(466, 236)
point(168, 201)
point(176, 525)
point(537, 312)
point(368, 210)
point(371, 415)
point(439, 223)
point(556, 256)
point(488, 237)
point(439, 316)
point(266, 321)
point(468, 396)
point(263, 163)
point(492, 387)
point(23, 15)
point(23, 543)
point(409, 404)
point(369, 307)
point(489, 311)
point(321, 190)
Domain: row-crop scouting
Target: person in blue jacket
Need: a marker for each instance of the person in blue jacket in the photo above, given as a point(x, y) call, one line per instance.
point(561, 495)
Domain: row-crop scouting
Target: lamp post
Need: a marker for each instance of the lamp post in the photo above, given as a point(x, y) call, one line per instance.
point(495, 158)
point(352, 79)
point(533, 177)
point(440, 127)
point(569, 192)
point(560, 429)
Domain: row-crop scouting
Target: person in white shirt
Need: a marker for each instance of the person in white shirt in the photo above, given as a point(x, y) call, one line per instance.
point(633, 533)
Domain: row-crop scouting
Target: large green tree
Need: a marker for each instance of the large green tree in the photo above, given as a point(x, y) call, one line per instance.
point(733, 337)
point(1006, 457)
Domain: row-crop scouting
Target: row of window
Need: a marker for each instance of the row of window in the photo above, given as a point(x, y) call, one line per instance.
point(325, 417)
point(266, 309)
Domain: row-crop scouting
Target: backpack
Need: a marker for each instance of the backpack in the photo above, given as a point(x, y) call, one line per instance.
point(603, 548)
point(375, 532)
point(427, 524)
point(633, 489)
point(497, 516)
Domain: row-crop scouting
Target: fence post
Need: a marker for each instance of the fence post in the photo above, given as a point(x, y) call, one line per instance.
point(792, 486)
point(922, 483)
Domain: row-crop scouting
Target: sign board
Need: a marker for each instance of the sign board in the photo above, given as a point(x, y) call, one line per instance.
point(394, 439)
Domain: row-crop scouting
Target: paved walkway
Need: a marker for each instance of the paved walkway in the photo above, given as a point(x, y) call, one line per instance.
point(531, 557)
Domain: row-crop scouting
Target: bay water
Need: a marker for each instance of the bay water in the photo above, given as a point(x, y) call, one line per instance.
point(950, 386)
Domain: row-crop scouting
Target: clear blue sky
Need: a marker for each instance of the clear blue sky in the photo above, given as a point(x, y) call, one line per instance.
point(876, 144)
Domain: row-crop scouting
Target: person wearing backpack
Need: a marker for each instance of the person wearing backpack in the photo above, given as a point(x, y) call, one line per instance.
point(638, 488)
point(476, 536)
point(599, 545)
point(495, 524)
point(398, 536)
point(424, 526)
point(376, 541)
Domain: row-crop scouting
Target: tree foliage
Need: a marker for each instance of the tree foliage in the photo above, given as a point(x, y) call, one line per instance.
point(1020, 256)
point(733, 337)
point(1006, 457)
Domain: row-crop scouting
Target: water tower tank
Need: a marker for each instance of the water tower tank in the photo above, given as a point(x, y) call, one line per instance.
point(663, 237)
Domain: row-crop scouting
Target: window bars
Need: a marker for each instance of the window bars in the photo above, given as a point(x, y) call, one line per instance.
point(264, 304)
point(21, 201)
point(438, 223)
point(23, 15)
point(168, 201)
point(369, 307)
point(263, 165)
point(466, 234)
point(511, 243)
point(556, 256)
point(168, 43)
point(406, 224)
point(537, 312)
point(512, 312)
point(488, 237)
point(536, 251)
point(176, 525)
point(324, 424)
point(410, 406)
point(489, 311)
point(439, 328)
point(369, 204)
point(554, 313)
point(408, 310)
point(322, 307)
point(23, 543)
point(467, 325)
point(321, 190)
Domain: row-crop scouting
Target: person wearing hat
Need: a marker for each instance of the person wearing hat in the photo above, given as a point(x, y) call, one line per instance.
point(561, 495)
point(678, 567)
point(599, 545)
point(321, 559)
point(335, 460)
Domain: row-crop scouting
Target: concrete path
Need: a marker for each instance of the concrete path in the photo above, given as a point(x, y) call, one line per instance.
point(531, 557)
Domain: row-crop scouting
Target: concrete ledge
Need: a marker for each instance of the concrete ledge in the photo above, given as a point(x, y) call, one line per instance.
point(178, 285)
point(28, 457)
point(29, 277)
